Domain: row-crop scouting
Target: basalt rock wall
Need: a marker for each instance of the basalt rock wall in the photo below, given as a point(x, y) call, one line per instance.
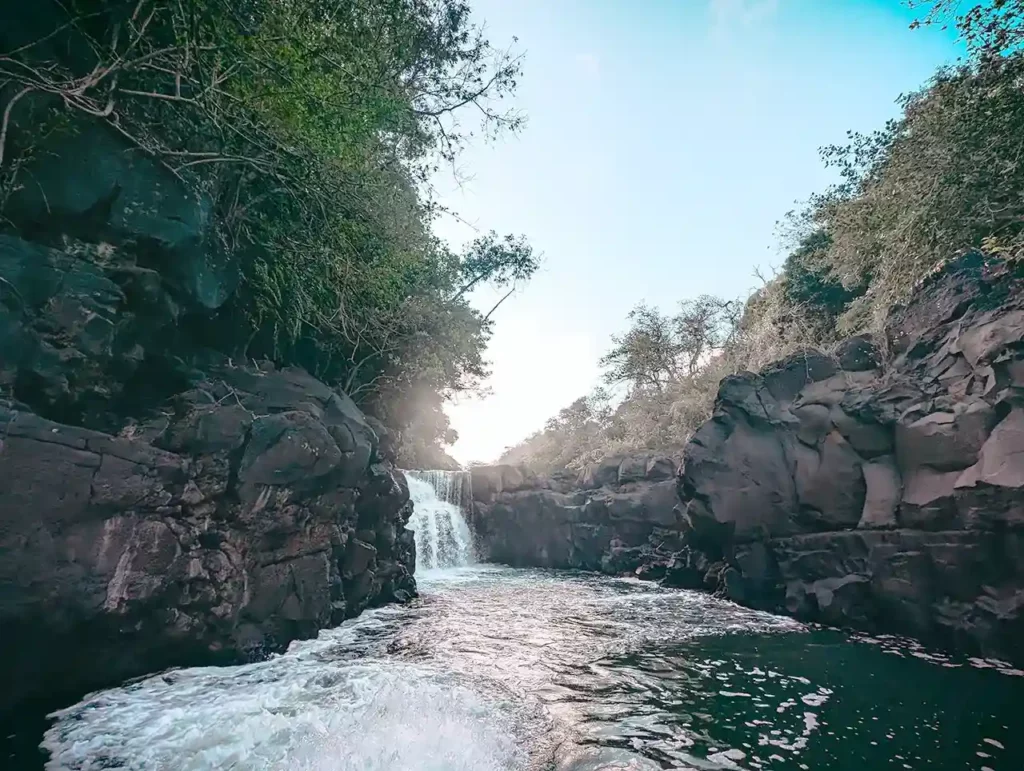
point(613, 517)
point(259, 510)
point(879, 486)
point(160, 503)
point(882, 493)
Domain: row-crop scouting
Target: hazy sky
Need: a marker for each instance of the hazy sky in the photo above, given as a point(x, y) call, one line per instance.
point(665, 139)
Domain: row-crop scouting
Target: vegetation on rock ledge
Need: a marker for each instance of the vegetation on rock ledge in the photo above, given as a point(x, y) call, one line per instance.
point(309, 130)
point(946, 176)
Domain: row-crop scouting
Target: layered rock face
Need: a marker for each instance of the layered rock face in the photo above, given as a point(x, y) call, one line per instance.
point(613, 517)
point(160, 505)
point(884, 497)
point(880, 488)
point(257, 512)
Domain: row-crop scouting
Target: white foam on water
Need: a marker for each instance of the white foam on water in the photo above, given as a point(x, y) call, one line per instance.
point(300, 711)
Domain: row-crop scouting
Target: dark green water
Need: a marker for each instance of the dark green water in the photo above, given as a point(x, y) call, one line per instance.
point(879, 709)
point(501, 669)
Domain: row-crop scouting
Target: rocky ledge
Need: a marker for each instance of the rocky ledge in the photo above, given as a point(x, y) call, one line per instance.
point(258, 511)
point(614, 517)
point(880, 495)
point(879, 487)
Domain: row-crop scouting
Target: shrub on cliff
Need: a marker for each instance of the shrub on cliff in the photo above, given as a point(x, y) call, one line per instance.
point(945, 176)
point(667, 368)
point(312, 127)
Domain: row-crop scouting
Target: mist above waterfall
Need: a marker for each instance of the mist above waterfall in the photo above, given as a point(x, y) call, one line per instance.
point(443, 539)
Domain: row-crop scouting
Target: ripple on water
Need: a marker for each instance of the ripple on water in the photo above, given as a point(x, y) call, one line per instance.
point(501, 669)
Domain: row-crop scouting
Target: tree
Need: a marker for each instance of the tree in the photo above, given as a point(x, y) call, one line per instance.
point(702, 326)
point(657, 349)
point(312, 127)
point(646, 355)
point(991, 30)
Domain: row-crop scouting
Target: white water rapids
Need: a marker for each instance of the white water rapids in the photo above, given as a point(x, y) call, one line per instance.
point(495, 669)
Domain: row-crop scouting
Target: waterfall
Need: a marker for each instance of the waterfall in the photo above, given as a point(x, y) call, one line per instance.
point(439, 499)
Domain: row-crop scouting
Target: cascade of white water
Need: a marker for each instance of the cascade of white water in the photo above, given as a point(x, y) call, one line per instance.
point(443, 539)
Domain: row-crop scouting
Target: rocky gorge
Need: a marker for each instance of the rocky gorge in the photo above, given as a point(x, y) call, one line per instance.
point(879, 486)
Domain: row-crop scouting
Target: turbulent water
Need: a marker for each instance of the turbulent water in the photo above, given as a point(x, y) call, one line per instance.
point(494, 669)
point(443, 539)
point(502, 669)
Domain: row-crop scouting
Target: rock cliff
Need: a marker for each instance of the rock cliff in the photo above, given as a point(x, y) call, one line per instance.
point(879, 487)
point(259, 510)
point(882, 495)
point(161, 504)
point(613, 517)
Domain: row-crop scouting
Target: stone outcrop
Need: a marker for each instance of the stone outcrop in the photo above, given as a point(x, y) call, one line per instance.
point(878, 496)
point(879, 487)
point(161, 505)
point(611, 517)
point(257, 511)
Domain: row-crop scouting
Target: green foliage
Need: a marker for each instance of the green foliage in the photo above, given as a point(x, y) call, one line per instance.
point(657, 349)
point(944, 177)
point(314, 127)
point(941, 179)
point(569, 440)
point(809, 283)
point(646, 355)
point(990, 29)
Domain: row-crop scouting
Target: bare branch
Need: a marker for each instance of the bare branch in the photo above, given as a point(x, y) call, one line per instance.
point(5, 122)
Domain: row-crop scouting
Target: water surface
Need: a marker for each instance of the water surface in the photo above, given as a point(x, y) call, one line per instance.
point(494, 668)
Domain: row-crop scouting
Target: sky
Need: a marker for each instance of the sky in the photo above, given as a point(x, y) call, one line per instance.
point(664, 141)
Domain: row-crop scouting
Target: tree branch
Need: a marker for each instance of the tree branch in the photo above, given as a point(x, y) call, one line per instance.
point(497, 304)
point(5, 122)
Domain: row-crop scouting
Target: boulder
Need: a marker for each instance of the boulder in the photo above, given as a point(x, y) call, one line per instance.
point(489, 481)
point(737, 476)
point(945, 441)
point(91, 182)
point(660, 467)
point(603, 473)
point(632, 469)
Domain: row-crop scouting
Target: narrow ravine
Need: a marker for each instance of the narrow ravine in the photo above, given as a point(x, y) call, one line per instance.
point(494, 668)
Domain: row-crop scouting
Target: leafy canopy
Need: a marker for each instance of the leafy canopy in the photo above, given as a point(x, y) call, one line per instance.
point(314, 128)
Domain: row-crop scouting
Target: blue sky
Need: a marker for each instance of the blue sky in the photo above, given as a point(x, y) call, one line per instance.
point(665, 139)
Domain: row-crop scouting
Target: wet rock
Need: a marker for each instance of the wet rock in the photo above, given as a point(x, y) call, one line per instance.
point(359, 556)
point(686, 570)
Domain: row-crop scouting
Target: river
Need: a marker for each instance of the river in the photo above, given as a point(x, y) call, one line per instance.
point(498, 669)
